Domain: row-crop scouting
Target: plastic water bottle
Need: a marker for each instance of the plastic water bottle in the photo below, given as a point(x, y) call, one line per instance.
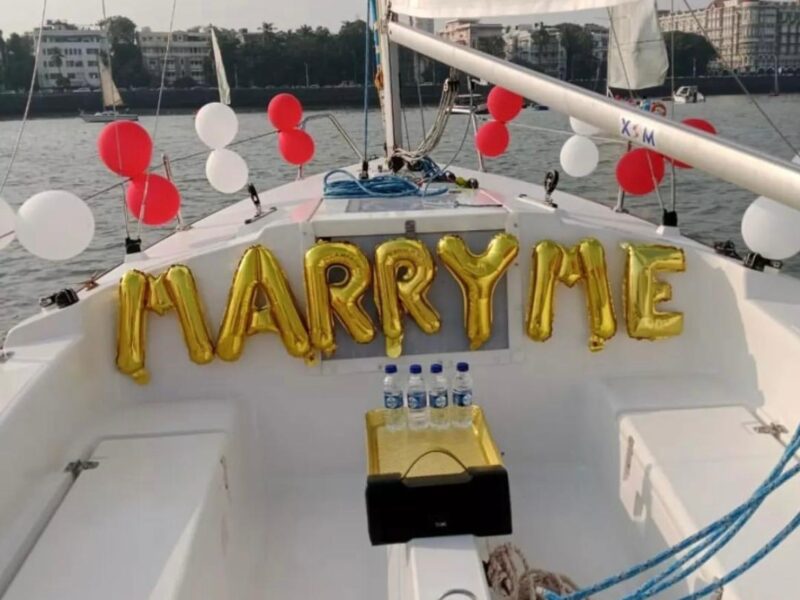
point(417, 399)
point(462, 397)
point(438, 398)
point(393, 400)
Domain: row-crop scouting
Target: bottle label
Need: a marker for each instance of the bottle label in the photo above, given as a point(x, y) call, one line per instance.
point(438, 399)
point(417, 400)
point(392, 401)
point(462, 398)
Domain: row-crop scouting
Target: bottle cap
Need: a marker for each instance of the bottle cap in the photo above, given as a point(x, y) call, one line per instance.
point(389, 369)
point(415, 369)
point(462, 367)
point(436, 368)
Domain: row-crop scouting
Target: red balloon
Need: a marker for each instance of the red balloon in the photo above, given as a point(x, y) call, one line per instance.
point(296, 146)
point(701, 124)
point(640, 171)
point(285, 112)
point(503, 105)
point(125, 148)
point(492, 139)
point(163, 198)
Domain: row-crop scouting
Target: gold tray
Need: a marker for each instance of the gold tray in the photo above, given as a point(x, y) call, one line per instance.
point(429, 451)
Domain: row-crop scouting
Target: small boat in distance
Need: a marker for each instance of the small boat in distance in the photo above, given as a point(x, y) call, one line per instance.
point(688, 94)
point(466, 104)
point(112, 100)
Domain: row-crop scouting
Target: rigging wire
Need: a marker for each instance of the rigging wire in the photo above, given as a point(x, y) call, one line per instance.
point(28, 101)
point(160, 165)
point(673, 182)
point(158, 113)
point(368, 19)
point(740, 83)
point(114, 109)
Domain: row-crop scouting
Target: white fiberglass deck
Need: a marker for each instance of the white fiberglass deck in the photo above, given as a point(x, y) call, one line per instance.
point(295, 432)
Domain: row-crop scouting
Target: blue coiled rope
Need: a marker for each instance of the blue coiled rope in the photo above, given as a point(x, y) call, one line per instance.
point(380, 186)
point(711, 540)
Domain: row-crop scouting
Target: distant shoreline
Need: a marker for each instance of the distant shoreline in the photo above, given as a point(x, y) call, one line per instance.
point(182, 101)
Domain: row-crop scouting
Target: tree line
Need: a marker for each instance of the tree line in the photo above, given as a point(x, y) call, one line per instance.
point(313, 56)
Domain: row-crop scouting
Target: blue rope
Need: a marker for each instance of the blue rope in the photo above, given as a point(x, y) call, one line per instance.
point(713, 538)
point(381, 186)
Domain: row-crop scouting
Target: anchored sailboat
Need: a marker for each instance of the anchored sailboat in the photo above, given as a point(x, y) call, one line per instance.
point(204, 420)
point(112, 101)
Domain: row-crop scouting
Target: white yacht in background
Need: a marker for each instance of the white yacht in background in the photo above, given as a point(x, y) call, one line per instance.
point(112, 101)
point(198, 425)
point(688, 94)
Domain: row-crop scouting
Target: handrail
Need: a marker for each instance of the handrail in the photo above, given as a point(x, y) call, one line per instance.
point(753, 170)
point(339, 128)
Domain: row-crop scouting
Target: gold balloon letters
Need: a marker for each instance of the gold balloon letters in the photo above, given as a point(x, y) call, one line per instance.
point(585, 262)
point(342, 299)
point(643, 291)
point(140, 293)
point(477, 275)
point(260, 300)
point(404, 272)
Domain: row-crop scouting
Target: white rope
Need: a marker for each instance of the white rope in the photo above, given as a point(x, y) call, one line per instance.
point(28, 102)
point(158, 113)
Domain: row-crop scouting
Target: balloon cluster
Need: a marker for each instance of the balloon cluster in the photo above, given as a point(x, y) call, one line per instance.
point(641, 170)
point(126, 149)
point(216, 126)
point(295, 145)
point(492, 138)
point(579, 154)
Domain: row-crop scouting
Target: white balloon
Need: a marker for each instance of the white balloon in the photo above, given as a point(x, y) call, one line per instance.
point(771, 229)
point(55, 225)
point(216, 125)
point(579, 156)
point(7, 219)
point(226, 171)
point(582, 128)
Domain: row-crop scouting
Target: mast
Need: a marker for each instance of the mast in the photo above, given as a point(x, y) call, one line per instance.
point(389, 75)
point(758, 172)
point(219, 67)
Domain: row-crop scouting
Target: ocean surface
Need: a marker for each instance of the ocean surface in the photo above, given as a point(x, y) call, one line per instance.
point(60, 154)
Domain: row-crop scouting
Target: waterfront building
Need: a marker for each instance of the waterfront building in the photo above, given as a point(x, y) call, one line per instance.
point(69, 55)
point(599, 41)
point(187, 55)
point(469, 32)
point(750, 36)
point(537, 46)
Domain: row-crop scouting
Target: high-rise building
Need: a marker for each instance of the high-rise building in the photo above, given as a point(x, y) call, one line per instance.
point(750, 36)
point(69, 55)
point(187, 53)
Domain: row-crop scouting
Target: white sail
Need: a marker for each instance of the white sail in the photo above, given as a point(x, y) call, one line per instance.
point(637, 55)
point(445, 9)
point(219, 66)
point(111, 96)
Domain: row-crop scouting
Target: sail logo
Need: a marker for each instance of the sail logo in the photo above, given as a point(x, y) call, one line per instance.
point(637, 132)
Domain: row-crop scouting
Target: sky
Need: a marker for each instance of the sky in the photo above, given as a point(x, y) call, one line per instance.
point(20, 16)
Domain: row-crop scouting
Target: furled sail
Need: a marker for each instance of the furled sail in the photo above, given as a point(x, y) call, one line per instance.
point(111, 96)
point(446, 9)
point(637, 55)
point(222, 78)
